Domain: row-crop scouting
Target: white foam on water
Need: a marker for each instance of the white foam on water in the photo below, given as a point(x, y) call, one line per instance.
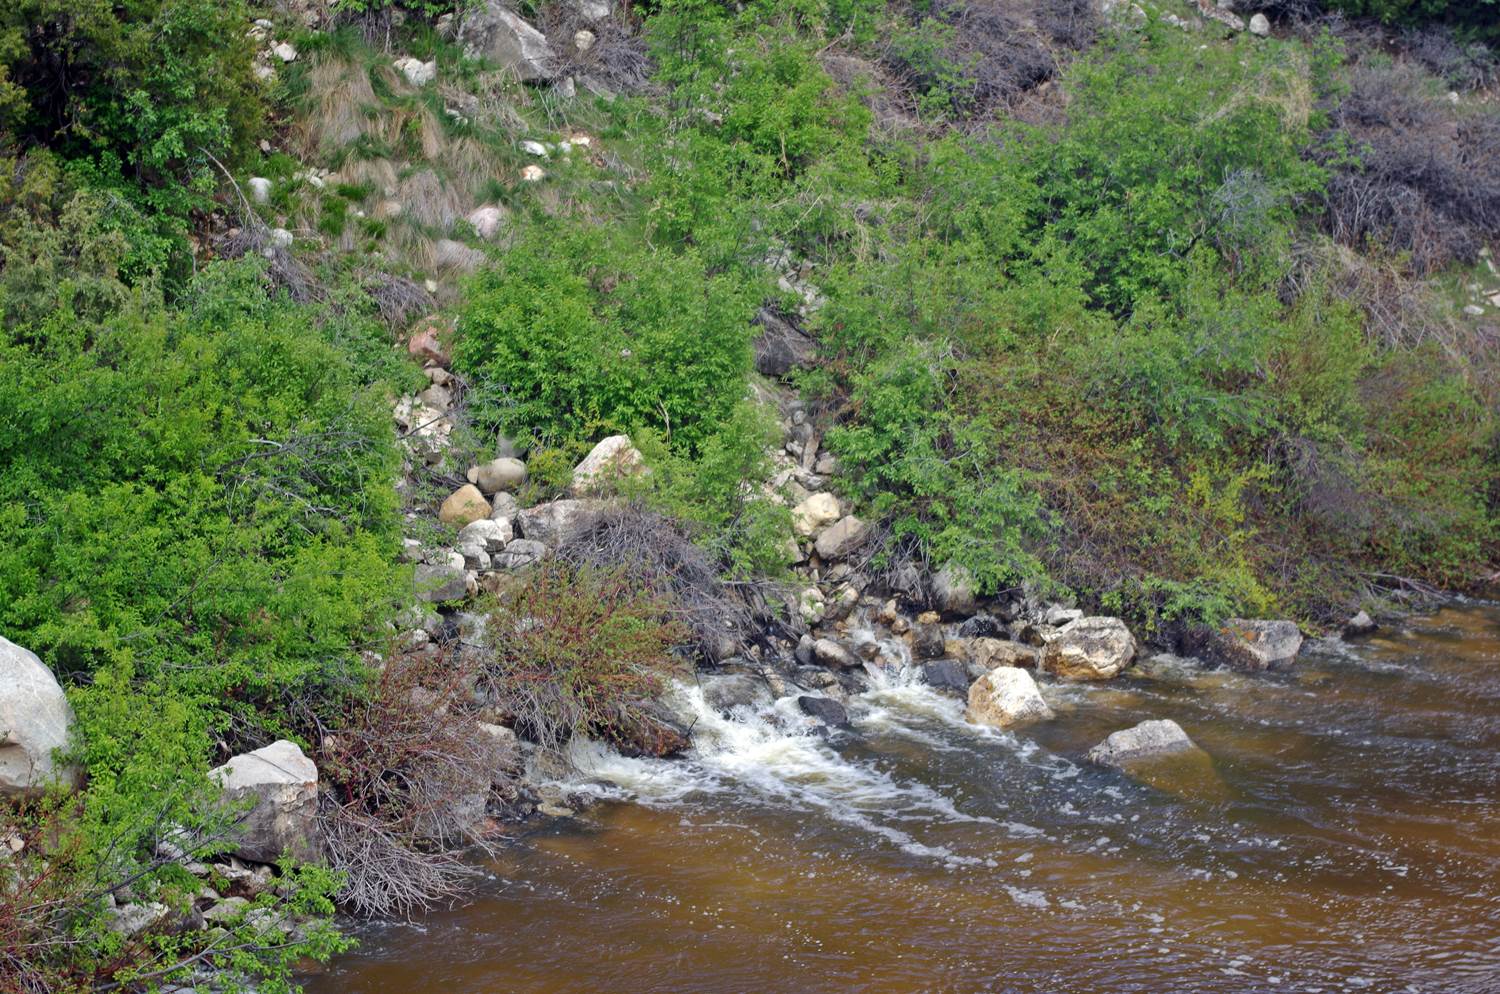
point(776, 754)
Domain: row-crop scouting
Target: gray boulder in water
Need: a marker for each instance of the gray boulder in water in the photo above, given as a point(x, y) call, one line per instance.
point(1006, 696)
point(946, 674)
point(1245, 644)
point(825, 709)
point(1096, 648)
point(733, 690)
point(1148, 740)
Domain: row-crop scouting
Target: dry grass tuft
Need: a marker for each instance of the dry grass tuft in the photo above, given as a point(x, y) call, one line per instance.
point(339, 112)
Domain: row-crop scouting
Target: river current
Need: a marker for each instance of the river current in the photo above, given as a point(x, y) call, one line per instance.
point(1345, 836)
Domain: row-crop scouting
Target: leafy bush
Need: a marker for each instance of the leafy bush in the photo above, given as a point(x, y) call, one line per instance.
point(141, 96)
point(197, 530)
point(571, 337)
point(715, 492)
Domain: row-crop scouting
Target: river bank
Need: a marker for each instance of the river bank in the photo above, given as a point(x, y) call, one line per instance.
point(1339, 844)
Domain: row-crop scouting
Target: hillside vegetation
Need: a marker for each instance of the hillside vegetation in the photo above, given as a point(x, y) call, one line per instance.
point(1180, 325)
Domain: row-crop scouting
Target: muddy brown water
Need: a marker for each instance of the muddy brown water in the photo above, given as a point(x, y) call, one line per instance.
point(1345, 838)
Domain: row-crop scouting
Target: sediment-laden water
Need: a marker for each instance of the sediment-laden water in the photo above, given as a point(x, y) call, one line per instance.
point(1345, 838)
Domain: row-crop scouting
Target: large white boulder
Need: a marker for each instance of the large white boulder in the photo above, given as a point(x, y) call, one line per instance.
point(278, 788)
point(1094, 648)
point(554, 522)
point(486, 220)
point(499, 34)
point(417, 72)
point(35, 720)
point(490, 535)
point(815, 513)
point(608, 462)
point(1006, 696)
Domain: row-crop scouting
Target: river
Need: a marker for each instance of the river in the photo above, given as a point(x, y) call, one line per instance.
point(1345, 837)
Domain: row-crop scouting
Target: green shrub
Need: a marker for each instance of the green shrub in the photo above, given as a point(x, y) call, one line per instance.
point(716, 491)
point(197, 531)
point(574, 335)
point(140, 96)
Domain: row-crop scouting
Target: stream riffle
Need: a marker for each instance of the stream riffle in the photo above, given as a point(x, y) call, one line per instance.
point(1345, 838)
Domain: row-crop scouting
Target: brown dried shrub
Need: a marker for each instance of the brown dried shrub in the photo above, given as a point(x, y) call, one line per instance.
point(575, 650)
point(986, 58)
point(1425, 176)
point(618, 58)
point(659, 557)
point(406, 774)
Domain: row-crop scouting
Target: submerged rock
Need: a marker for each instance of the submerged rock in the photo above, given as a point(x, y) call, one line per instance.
point(1005, 697)
point(1248, 644)
point(927, 640)
point(946, 674)
point(830, 653)
point(733, 690)
point(1094, 648)
point(1148, 740)
point(1359, 625)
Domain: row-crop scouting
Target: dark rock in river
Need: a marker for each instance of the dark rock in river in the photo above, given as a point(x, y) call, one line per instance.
point(927, 640)
point(983, 626)
point(734, 690)
point(1247, 644)
point(650, 732)
point(825, 709)
point(947, 674)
